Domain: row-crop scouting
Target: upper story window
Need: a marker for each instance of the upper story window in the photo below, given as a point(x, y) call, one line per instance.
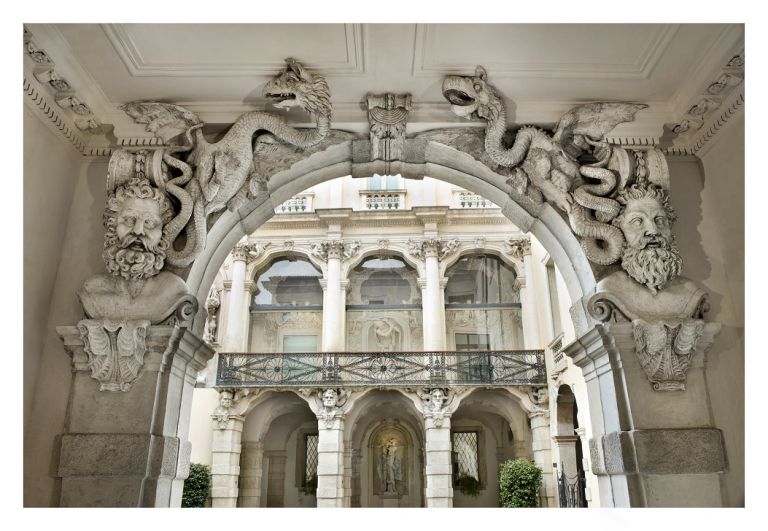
point(383, 281)
point(384, 182)
point(291, 282)
point(554, 300)
point(481, 280)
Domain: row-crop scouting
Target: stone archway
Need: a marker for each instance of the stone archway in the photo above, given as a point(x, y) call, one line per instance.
point(144, 321)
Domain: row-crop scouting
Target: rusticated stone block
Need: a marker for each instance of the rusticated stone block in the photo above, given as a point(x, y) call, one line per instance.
point(686, 451)
point(618, 454)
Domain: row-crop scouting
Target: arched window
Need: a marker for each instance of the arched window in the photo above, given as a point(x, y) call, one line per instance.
point(288, 282)
point(482, 304)
point(383, 306)
point(287, 307)
point(480, 279)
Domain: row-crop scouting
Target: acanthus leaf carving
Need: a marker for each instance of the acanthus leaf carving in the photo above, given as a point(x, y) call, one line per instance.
point(335, 249)
point(435, 247)
point(664, 350)
point(115, 351)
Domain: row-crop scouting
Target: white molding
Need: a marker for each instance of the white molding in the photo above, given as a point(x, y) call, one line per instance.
point(130, 55)
point(50, 116)
point(640, 69)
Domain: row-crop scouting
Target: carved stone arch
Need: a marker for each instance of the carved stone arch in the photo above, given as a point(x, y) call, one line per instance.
point(276, 251)
point(517, 422)
point(272, 411)
point(369, 249)
point(493, 248)
point(563, 407)
point(443, 163)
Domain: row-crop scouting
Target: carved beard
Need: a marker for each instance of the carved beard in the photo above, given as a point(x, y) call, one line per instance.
point(133, 264)
point(653, 266)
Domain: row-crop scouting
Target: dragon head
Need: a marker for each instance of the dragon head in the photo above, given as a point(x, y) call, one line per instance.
point(472, 96)
point(297, 87)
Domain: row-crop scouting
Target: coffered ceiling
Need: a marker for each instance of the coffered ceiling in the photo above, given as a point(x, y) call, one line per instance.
point(219, 70)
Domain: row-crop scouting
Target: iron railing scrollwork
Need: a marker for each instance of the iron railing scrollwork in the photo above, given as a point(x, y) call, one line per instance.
point(571, 490)
point(488, 368)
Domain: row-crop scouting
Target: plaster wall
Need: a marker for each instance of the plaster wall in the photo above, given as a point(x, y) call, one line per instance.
point(204, 401)
point(51, 169)
point(81, 248)
point(722, 237)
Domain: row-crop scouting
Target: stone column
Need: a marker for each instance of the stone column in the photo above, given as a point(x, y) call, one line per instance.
point(225, 462)
point(439, 469)
point(349, 455)
point(542, 455)
point(650, 447)
point(125, 441)
point(236, 330)
point(334, 252)
point(521, 249)
point(432, 285)
point(251, 470)
point(330, 462)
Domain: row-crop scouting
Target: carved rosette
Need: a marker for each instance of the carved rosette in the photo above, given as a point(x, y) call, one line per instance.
point(335, 249)
point(665, 350)
point(115, 351)
point(518, 247)
point(432, 247)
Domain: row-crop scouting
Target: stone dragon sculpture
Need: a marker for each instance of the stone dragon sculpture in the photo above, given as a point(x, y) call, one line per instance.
point(213, 174)
point(550, 163)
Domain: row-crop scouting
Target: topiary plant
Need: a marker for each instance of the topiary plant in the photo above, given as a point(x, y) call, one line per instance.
point(519, 483)
point(196, 486)
point(468, 485)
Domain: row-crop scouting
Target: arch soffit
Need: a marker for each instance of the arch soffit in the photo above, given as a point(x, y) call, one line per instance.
point(362, 406)
point(512, 408)
point(273, 404)
point(443, 163)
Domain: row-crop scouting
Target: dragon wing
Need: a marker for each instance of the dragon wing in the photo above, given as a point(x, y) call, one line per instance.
point(164, 120)
point(592, 121)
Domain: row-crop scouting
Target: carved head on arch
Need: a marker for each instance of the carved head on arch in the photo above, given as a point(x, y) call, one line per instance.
point(135, 242)
point(298, 87)
point(651, 256)
point(472, 96)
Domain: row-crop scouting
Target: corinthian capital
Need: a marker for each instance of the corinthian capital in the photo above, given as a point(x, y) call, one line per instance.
point(250, 251)
point(518, 247)
point(338, 249)
point(432, 247)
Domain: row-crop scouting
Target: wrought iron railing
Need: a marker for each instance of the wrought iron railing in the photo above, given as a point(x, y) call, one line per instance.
point(487, 368)
point(571, 490)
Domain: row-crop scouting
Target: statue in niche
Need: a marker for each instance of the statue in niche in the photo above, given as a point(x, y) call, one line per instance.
point(135, 245)
point(390, 465)
point(387, 335)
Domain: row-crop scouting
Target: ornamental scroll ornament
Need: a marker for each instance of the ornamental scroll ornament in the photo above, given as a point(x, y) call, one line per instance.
point(387, 116)
point(115, 351)
point(665, 350)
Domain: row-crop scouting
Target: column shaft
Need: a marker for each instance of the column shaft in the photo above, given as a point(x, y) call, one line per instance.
point(235, 331)
point(225, 464)
point(439, 470)
point(542, 456)
point(433, 306)
point(531, 336)
point(333, 309)
point(330, 464)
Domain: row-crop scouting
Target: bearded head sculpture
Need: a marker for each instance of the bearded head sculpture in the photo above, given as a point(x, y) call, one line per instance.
point(651, 256)
point(135, 242)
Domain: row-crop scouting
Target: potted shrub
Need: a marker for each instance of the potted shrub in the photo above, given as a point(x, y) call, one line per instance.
point(519, 483)
point(196, 486)
point(468, 485)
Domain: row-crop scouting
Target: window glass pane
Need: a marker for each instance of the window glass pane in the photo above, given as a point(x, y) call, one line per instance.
point(554, 301)
point(289, 283)
point(481, 279)
point(465, 454)
point(384, 280)
point(472, 342)
point(310, 458)
point(299, 343)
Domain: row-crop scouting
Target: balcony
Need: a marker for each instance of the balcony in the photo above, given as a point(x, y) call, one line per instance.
point(465, 199)
point(560, 362)
point(383, 199)
point(393, 369)
point(296, 205)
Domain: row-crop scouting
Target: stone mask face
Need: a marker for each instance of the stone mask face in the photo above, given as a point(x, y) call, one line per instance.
point(651, 256)
point(134, 243)
point(329, 398)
